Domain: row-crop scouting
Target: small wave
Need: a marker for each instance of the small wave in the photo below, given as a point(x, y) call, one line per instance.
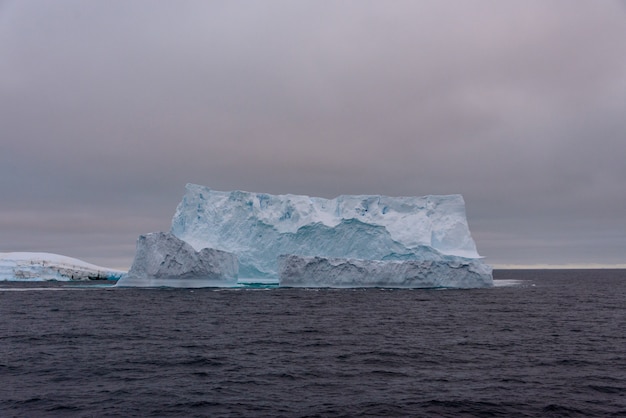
point(608, 389)
point(454, 408)
point(563, 411)
point(202, 361)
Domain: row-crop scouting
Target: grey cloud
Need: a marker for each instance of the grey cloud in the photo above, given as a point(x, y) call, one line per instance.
point(114, 106)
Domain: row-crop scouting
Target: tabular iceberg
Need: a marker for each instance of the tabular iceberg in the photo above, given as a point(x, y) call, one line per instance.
point(260, 227)
point(455, 272)
point(163, 260)
point(28, 266)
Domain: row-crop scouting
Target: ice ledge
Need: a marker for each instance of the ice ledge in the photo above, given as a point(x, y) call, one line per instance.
point(453, 272)
point(163, 260)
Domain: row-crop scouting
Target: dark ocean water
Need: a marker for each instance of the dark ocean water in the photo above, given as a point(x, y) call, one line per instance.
point(553, 344)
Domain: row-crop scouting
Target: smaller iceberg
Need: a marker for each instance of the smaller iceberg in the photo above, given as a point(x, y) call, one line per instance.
point(450, 272)
point(29, 266)
point(163, 260)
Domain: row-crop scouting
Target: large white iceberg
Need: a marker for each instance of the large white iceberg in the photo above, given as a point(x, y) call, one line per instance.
point(455, 272)
point(163, 260)
point(260, 227)
point(32, 266)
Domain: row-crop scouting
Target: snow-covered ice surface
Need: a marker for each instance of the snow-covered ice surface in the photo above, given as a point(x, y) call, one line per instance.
point(260, 227)
point(163, 260)
point(453, 272)
point(27, 266)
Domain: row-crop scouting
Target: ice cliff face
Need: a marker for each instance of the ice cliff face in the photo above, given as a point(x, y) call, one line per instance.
point(453, 272)
point(260, 227)
point(164, 260)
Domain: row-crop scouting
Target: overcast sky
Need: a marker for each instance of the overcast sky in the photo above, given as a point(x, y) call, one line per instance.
point(108, 108)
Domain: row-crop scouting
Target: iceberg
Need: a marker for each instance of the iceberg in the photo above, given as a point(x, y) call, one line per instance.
point(260, 227)
point(453, 272)
point(34, 266)
point(163, 260)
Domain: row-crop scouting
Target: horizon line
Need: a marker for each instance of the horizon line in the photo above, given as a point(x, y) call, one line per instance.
point(566, 266)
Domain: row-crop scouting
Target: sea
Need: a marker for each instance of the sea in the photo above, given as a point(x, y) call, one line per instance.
point(541, 343)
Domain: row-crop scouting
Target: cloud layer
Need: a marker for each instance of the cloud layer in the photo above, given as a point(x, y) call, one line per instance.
point(108, 108)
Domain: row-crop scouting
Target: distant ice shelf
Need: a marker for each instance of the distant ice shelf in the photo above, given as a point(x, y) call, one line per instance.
point(34, 266)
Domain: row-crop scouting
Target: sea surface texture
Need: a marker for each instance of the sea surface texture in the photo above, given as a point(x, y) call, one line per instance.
point(541, 343)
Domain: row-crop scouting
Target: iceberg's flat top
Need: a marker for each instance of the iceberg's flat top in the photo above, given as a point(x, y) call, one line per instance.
point(259, 227)
point(437, 221)
point(47, 266)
